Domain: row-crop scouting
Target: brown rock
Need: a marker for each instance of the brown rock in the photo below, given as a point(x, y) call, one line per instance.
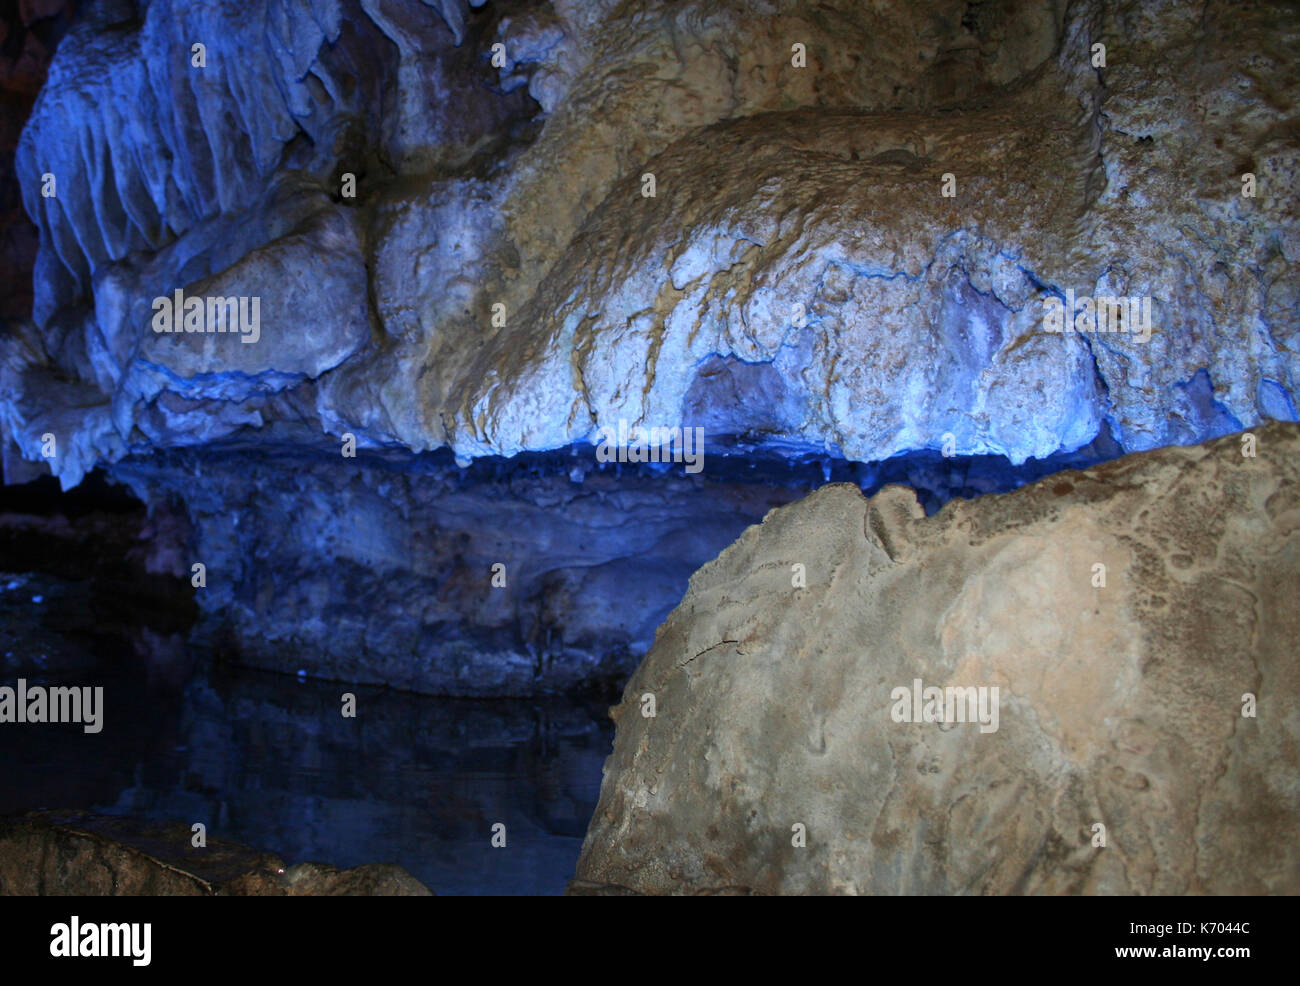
point(81, 854)
point(1120, 706)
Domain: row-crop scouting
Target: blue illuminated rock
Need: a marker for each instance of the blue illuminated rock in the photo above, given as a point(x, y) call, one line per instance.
point(445, 212)
point(523, 292)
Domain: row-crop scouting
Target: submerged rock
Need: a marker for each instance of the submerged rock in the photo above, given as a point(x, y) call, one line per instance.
point(1128, 635)
point(78, 854)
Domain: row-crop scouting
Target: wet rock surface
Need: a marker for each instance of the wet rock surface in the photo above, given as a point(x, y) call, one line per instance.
point(501, 283)
point(544, 574)
point(491, 582)
point(77, 854)
point(472, 235)
point(1157, 705)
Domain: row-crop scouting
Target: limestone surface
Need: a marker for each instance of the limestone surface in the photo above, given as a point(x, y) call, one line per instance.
point(500, 278)
point(819, 228)
point(1132, 627)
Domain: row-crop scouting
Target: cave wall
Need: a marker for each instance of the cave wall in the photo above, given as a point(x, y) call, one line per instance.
point(501, 580)
point(500, 283)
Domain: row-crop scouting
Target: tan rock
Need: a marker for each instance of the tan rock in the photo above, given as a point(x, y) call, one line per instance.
point(1121, 706)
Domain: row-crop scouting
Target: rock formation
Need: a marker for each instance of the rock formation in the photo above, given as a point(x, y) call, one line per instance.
point(350, 294)
point(75, 854)
point(1127, 635)
point(495, 228)
point(776, 186)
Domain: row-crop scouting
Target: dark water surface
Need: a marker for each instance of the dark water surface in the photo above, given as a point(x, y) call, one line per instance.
point(269, 761)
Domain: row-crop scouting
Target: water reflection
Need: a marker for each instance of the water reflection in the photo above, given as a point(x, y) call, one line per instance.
point(270, 761)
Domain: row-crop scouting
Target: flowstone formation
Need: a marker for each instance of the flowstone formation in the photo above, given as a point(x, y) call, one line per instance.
point(818, 229)
point(1084, 686)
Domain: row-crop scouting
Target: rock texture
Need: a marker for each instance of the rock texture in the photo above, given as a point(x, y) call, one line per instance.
point(502, 282)
point(62, 854)
point(1120, 705)
point(499, 580)
point(384, 568)
point(520, 185)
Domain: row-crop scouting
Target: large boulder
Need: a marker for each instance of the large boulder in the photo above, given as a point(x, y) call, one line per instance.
point(1134, 728)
